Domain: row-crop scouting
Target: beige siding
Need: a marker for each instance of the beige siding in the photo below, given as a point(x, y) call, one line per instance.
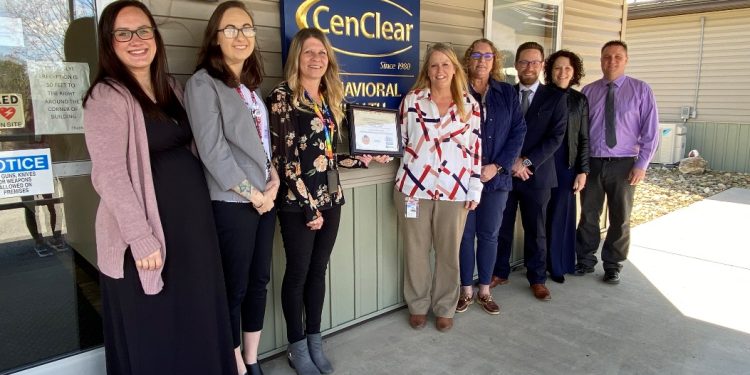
point(587, 25)
point(664, 52)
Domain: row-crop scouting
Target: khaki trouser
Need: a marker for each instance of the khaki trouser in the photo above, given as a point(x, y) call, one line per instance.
point(440, 225)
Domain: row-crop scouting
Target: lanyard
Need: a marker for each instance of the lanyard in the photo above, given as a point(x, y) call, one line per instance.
point(329, 127)
point(254, 110)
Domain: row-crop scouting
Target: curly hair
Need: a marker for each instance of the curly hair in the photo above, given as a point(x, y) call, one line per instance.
point(575, 62)
point(497, 63)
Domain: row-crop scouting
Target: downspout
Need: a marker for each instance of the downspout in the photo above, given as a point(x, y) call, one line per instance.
point(700, 66)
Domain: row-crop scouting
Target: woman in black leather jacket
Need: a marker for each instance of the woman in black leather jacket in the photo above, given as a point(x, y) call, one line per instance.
point(564, 69)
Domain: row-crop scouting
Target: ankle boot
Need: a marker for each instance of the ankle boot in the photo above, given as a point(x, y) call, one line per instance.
point(315, 345)
point(299, 358)
point(254, 369)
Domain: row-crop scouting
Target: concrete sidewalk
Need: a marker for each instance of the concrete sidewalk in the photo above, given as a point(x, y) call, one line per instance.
point(681, 308)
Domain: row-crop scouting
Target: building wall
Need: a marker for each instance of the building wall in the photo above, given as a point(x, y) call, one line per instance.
point(666, 53)
point(587, 25)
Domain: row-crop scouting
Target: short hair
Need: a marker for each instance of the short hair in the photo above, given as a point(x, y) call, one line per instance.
point(330, 83)
point(459, 85)
point(615, 43)
point(575, 62)
point(496, 73)
point(211, 58)
point(529, 45)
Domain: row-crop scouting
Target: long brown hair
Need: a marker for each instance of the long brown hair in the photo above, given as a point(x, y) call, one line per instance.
point(458, 83)
point(331, 85)
point(110, 68)
point(211, 58)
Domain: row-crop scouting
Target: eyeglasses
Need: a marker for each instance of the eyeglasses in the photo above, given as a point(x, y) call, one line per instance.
point(478, 55)
point(231, 32)
point(125, 35)
point(533, 64)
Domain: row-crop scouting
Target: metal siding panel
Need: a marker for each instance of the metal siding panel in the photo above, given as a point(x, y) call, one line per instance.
point(587, 25)
point(664, 62)
point(388, 255)
point(364, 201)
point(342, 286)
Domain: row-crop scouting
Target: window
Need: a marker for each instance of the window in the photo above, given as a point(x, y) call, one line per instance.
point(515, 22)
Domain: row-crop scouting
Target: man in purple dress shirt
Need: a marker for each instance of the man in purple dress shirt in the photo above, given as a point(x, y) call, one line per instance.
point(623, 138)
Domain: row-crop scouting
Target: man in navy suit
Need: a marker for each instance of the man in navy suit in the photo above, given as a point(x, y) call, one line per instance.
point(545, 110)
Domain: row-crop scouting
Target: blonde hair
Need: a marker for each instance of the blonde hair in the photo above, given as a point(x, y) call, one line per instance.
point(458, 83)
point(497, 62)
point(331, 85)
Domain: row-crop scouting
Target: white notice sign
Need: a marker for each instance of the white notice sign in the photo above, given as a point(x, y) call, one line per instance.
point(25, 172)
point(57, 90)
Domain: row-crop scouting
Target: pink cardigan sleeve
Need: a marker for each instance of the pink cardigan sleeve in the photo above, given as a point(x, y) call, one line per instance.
point(107, 123)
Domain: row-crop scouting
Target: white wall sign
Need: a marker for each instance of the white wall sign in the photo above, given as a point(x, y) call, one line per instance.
point(25, 172)
point(57, 90)
point(11, 111)
point(11, 32)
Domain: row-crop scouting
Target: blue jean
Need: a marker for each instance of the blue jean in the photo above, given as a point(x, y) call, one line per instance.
point(484, 224)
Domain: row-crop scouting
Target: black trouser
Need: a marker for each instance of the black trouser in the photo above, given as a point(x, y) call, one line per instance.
point(608, 177)
point(246, 244)
point(307, 254)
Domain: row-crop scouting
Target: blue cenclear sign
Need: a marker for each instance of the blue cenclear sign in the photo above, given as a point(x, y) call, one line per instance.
point(25, 172)
point(376, 43)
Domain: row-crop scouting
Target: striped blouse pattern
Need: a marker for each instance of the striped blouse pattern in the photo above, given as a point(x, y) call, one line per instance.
point(442, 155)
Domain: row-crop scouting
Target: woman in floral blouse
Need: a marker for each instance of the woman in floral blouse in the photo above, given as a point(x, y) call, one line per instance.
point(306, 113)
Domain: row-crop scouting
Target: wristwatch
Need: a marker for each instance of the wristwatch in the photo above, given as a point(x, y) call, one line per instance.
point(526, 162)
point(498, 168)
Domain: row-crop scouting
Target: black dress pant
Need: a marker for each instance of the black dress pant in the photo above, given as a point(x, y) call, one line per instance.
point(608, 178)
point(307, 253)
point(246, 244)
point(533, 203)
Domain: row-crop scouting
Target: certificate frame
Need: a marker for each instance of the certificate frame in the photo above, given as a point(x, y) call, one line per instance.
point(378, 133)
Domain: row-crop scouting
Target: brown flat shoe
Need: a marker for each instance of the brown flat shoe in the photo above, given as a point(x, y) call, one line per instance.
point(443, 324)
point(498, 281)
point(541, 292)
point(417, 321)
point(463, 302)
point(489, 305)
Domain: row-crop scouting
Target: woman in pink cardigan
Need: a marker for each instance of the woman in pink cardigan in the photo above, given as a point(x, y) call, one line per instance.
point(162, 314)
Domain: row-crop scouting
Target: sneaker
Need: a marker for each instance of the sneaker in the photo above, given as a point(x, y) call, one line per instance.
point(612, 277)
point(582, 270)
point(58, 244)
point(41, 250)
point(488, 304)
point(463, 302)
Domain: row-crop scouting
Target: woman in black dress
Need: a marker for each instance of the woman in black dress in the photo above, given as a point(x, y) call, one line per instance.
point(162, 314)
point(564, 69)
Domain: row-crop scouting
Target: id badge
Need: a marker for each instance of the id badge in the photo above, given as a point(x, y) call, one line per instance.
point(412, 208)
point(333, 180)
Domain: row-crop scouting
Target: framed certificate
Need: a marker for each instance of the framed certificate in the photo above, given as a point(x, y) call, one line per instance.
point(374, 130)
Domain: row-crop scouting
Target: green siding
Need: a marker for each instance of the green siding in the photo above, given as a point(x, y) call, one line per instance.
point(365, 274)
point(726, 146)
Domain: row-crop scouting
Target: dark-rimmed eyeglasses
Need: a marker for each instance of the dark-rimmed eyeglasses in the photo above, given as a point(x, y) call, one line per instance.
point(125, 35)
point(525, 63)
point(231, 32)
point(483, 56)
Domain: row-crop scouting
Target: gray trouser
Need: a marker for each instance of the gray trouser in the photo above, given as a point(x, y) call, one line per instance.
point(608, 178)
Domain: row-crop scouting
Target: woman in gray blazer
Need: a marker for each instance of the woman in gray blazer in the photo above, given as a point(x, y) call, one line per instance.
point(230, 124)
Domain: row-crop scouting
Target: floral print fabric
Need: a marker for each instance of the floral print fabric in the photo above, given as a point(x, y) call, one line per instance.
point(298, 148)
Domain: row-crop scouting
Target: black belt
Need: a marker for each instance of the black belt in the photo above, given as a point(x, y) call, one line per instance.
point(612, 158)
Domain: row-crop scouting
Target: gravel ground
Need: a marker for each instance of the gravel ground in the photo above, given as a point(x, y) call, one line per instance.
point(666, 190)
